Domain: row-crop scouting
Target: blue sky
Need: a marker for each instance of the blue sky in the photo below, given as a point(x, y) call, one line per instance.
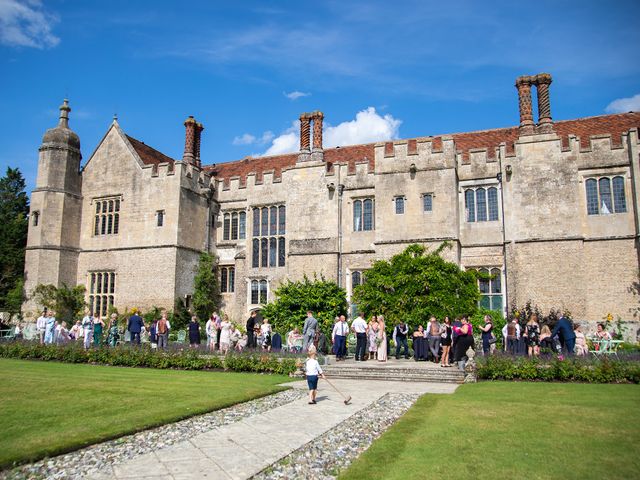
point(378, 70)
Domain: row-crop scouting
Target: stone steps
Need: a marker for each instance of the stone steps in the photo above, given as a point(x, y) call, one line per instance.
point(400, 374)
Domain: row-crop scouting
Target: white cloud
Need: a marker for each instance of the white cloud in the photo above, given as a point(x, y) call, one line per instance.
point(248, 139)
point(26, 24)
point(295, 95)
point(621, 105)
point(367, 127)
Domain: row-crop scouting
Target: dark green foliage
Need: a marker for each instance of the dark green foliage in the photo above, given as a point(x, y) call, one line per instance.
point(14, 210)
point(68, 303)
point(15, 297)
point(416, 284)
point(590, 370)
point(524, 313)
point(125, 356)
point(324, 298)
point(206, 294)
point(180, 317)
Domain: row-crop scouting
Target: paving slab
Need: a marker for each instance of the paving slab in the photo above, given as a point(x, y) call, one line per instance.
point(242, 449)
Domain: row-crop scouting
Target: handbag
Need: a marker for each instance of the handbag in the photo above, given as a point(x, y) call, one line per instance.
point(492, 340)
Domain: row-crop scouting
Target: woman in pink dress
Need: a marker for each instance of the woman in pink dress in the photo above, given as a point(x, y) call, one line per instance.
point(382, 340)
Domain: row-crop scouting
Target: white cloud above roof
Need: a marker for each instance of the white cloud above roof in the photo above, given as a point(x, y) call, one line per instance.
point(26, 24)
point(622, 105)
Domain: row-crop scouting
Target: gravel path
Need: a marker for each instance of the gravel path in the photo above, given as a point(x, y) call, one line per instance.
point(325, 456)
point(89, 461)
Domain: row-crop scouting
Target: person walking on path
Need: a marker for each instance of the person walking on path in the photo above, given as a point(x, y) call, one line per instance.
point(309, 330)
point(339, 338)
point(87, 326)
point(312, 371)
point(382, 340)
point(162, 329)
point(134, 326)
point(251, 323)
point(567, 335)
point(359, 327)
point(400, 333)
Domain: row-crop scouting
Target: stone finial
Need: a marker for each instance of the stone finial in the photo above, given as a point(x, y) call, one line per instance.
point(64, 114)
point(542, 82)
point(305, 132)
point(189, 140)
point(317, 130)
point(523, 84)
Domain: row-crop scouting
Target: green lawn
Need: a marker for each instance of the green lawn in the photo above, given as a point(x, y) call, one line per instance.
point(512, 430)
point(50, 408)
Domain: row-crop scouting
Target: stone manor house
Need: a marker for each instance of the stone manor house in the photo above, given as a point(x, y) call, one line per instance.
point(549, 209)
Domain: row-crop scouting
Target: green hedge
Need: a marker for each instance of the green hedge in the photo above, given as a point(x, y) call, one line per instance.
point(145, 357)
point(589, 370)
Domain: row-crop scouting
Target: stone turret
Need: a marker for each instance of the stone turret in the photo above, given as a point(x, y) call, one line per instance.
point(54, 226)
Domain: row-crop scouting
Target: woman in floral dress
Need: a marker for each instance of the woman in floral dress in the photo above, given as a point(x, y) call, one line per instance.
point(532, 336)
point(372, 334)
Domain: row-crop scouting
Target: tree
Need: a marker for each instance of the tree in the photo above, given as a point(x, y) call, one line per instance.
point(14, 210)
point(293, 299)
point(68, 303)
point(206, 294)
point(415, 284)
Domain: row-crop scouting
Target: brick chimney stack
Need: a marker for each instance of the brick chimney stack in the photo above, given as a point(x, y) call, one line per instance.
point(189, 140)
point(305, 133)
point(523, 84)
point(317, 130)
point(198, 133)
point(542, 82)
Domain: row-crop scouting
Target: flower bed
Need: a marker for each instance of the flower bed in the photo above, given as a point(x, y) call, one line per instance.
point(126, 356)
point(588, 370)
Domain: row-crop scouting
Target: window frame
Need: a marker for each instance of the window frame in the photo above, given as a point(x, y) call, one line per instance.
point(269, 227)
point(101, 291)
point(481, 202)
point(106, 219)
point(424, 196)
point(360, 220)
point(595, 200)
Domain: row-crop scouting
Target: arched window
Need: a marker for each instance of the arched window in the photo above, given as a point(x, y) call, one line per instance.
point(592, 196)
point(356, 279)
point(255, 292)
point(263, 291)
point(606, 205)
point(470, 205)
point(399, 201)
point(242, 227)
point(282, 220)
point(357, 216)
point(273, 220)
point(256, 222)
point(232, 279)
point(223, 280)
point(619, 198)
point(367, 214)
point(265, 221)
point(234, 226)
point(492, 197)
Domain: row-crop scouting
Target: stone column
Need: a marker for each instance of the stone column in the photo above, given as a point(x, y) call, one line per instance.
point(198, 133)
point(189, 140)
point(523, 84)
point(542, 82)
point(317, 130)
point(305, 133)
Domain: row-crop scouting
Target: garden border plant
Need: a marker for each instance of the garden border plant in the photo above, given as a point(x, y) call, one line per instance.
point(126, 356)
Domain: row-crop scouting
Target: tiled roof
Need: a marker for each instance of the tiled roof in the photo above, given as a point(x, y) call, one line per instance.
point(614, 125)
point(148, 155)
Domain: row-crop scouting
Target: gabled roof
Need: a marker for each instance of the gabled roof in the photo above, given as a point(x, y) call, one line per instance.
point(149, 155)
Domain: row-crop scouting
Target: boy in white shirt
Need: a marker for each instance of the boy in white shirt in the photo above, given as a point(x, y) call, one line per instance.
point(312, 371)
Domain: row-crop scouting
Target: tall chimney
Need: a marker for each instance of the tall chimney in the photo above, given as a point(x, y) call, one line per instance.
point(542, 82)
point(317, 130)
point(198, 132)
point(523, 84)
point(305, 133)
point(189, 140)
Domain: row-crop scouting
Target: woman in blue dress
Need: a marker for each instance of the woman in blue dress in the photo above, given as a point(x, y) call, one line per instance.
point(50, 326)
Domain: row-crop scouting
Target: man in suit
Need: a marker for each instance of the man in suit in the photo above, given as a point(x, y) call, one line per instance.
point(134, 326)
point(309, 330)
point(251, 323)
point(567, 335)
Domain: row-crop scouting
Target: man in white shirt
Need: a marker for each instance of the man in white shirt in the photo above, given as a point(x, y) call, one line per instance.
point(339, 338)
point(359, 326)
point(511, 334)
point(41, 324)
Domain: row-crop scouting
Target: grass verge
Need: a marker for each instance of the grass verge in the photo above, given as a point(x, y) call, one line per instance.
point(50, 408)
point(511, 430)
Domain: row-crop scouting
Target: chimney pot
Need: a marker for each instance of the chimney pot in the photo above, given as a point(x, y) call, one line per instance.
point(523, 84)
point(189, 140)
